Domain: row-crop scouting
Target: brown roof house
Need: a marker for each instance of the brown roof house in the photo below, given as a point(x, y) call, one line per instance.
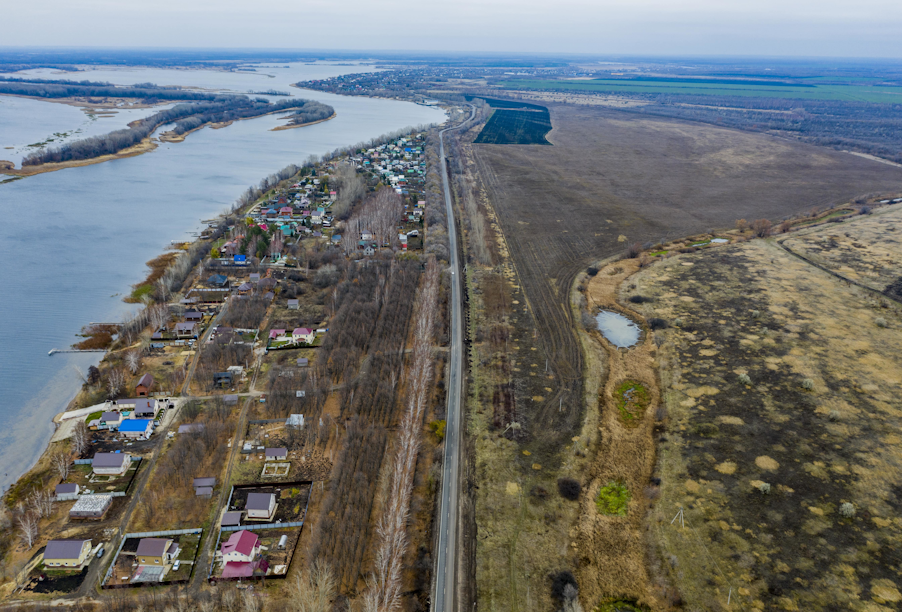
point(158, 552)
point(66, 553)
point(260, 506)
point(142, 389)
point(111, 464)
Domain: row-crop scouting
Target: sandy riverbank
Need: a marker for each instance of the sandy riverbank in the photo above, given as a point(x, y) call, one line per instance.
point(8, 167)
point(291, 127)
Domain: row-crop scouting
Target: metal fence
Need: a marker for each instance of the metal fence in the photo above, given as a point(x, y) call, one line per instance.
point(261, 421)
point(153, 534)
point(147, 534)
point(83, 461)
point(264, 526)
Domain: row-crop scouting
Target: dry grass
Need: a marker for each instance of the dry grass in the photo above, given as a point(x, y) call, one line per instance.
point(864, 249)
point(760, 469)
point(611, 549)
point(554, 211)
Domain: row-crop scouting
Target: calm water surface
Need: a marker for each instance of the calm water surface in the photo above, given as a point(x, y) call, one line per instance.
point(76, 239)
point(618, 329)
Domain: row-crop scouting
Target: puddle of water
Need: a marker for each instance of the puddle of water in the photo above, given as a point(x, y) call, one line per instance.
point(619, 330)
point(719, 240)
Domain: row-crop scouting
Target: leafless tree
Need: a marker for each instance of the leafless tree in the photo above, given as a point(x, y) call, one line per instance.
point(158, 315)
point(40, 502)
point(761, 227)
point(115, 380)
point(60, 461)
point(28, 528)
point(392, 528)
point(80, 438)
point(314, 589)
point(351, 188)
point(133, 361)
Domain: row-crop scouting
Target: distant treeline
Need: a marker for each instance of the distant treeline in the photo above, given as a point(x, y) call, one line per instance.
point(270, 92)
point(875, 129)
point(85, 89)
point(186, 118)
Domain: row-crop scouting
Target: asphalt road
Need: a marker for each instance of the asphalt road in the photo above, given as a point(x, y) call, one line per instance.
point(445, 594)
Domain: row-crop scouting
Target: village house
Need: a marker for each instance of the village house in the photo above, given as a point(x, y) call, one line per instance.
point(142, 389)
point(136, 429)
point(223, 380)
point(66, 553)
point(276, 454)
point(260, 506)
point(293, 304)
point(91, 507)
point(218, 280)
point(245, 289)
point(156, 551)
point(194, 316)
point(295, 421)
point(231, 519)
point(186, 330)
point(110, 464)
point(66, 491)
point(241, 547)
point(203, 483)
point(109, 420)
point(303, 334)
point(141, 407)
point(275, 334)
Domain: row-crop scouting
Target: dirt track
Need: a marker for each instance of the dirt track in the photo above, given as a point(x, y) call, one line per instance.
point(612, 173)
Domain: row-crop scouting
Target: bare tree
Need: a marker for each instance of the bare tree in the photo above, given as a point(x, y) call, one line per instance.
point(392, 528)
point(60, 462)
point(314, 589)
point(28, 528)
point(762, 227)
point(40, 502)
point(351, 188)
point(133, 361)
point(80, 438)
point(115, 380)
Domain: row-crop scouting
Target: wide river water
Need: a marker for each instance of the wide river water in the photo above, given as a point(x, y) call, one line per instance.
point(76, 239)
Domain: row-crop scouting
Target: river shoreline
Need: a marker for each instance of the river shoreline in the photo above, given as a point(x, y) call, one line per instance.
point(145, 146)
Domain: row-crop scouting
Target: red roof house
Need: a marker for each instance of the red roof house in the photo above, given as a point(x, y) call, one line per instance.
point(241, 547)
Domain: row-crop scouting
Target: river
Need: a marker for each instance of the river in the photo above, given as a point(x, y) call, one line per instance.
point(76, 239)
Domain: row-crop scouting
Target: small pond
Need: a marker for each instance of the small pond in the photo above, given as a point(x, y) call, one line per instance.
point(618, 329)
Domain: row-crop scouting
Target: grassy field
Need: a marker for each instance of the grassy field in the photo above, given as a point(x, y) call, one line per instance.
point(865, 249)
point(521, 127)
point(851, 92)
point(611, 179)
point(781, 446)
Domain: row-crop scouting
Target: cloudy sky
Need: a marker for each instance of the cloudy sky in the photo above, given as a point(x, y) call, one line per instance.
point(860, 28)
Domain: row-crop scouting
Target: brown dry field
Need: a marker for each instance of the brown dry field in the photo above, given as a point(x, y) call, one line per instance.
point(612, 174)
point(557, 210)
point(865, 249)
point(817, 421)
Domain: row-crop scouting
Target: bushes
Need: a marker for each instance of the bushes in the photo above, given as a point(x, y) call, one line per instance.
point(761, 228)
point(569, 488)
point(640, 299)
point(592, 271)
point(633, 250)
point(655, 323)
point(613, 499)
